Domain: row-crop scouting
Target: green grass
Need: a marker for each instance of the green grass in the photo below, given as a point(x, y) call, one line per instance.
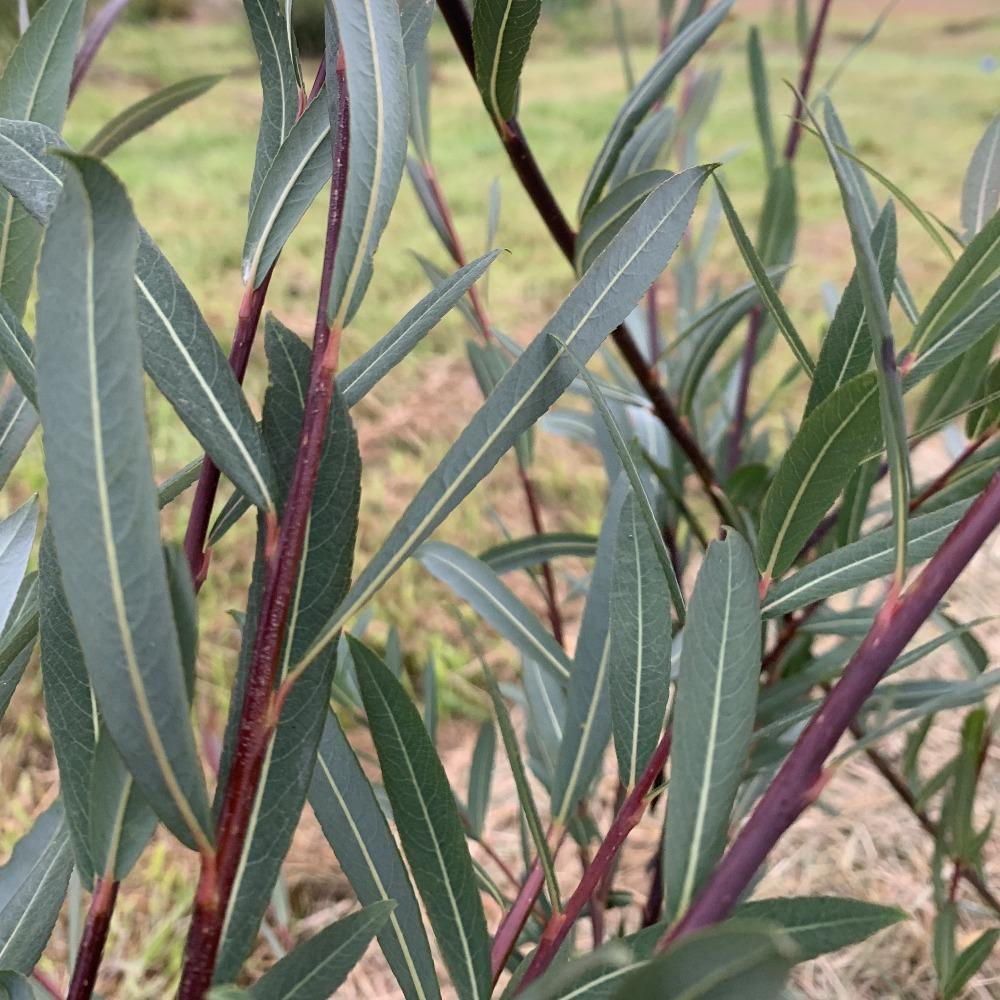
point(917, 119)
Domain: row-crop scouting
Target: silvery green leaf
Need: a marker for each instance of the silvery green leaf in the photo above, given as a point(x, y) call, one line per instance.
point(761, 100)
point(827, 448)
point(649, 144)
point(601, 300)
point(650, 89)
point(102, 501)
point(847, 346)
point(318, 966)
point(179, 351)
point(981, 188)
point(428, 823)
point(371, 40)
point(862, 561)
point(415, 17)
point(27, 170)
point(359, 377)
point(17, 534)
point(493, 600)
point(501, 35)
point(274, 43)
point(324, 575)
point(639, 668)
point(523, 553)
point(18, 640)
point(355, 825)
point(587, 728)
point(34, 87)
point(146, 113)
point(713, 717)
point(477, 801)
point(17, 351)
point(606, 217)
point(32, 889)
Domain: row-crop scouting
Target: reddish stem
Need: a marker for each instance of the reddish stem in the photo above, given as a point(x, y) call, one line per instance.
point(514, 920)
point(942, 481)
point(519, 153)
point(624, 822)
point(801, 775)
point(101, 24)
point(95, 935)
point(805, 80)
point(259, 712)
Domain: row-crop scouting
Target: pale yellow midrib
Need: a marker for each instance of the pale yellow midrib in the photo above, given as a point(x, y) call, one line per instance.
point(634, 756)
point(561, 349)
point(955, 330)
point(807, 479)
point(26, 912)
point(114, 572)
point(981, 201)
point(706, 783)
point(376, 878)
point(495, 68)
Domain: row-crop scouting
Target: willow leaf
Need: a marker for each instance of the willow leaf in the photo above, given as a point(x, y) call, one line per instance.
point(847, 346)
point(429, 825)
point(768, 293)
point(359, 377)
point(603, 298)
point(279, 83)
point(34, 87)
point(317, 967)
point(604, 219)
point(353, 822)
point(650, 89)
point(178, 349)
point(825, 451)
point(32, 889)
point(17, 534)
point(650, 143)
point(587, 728)
point(714, 715)
point(490, 597)
point(862, 561)
point(501, 35)
point(324, 576)
point(761, 99)
point(17, 351)
point(748, 959)
point(17, 642)
point(639, 669)
point(978, 265)
point(981, 187)
point(102, 500)
point(146, 113)
point(890, 387)
point(523, 553)
point(371, 40)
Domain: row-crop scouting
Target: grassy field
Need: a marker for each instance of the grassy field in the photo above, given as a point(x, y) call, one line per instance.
point(915, 103)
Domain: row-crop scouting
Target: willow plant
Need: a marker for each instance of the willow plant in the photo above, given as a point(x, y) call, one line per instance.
point(750, 603)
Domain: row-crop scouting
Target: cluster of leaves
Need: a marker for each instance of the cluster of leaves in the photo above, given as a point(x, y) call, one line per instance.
point(720, 680)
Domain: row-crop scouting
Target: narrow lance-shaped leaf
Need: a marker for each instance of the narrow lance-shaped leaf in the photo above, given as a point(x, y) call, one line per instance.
point(372, 44)
point(650, 89)
point(324, 576)
point(847, 346)
point(523, 553)
point(359, 377)
point(17, 642)
point(832, 440)
point(501, 34)
point(17, 351)
point(639, 669)
point(491, 598)
point(761, 100)
point(981, 188)
point(890, 389)
point(178, 349)
point(867, 559)
point(147, 112)
point(768, 293)
point(17, 534)
point(649, 144)
point(18, 420)
point(748, 959)
point(32, 889)
point(355, 825)
point(428, 822)
point(274, 42)
point(317, 967)
point(601, 300)
point(34, 87)
point(588, 716)
point(477, 801)
point(102, 501)
point(713, 717)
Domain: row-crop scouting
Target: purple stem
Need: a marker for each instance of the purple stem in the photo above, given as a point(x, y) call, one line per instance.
point(102, 23)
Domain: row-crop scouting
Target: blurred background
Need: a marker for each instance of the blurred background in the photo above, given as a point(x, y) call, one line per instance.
point(915, 101)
